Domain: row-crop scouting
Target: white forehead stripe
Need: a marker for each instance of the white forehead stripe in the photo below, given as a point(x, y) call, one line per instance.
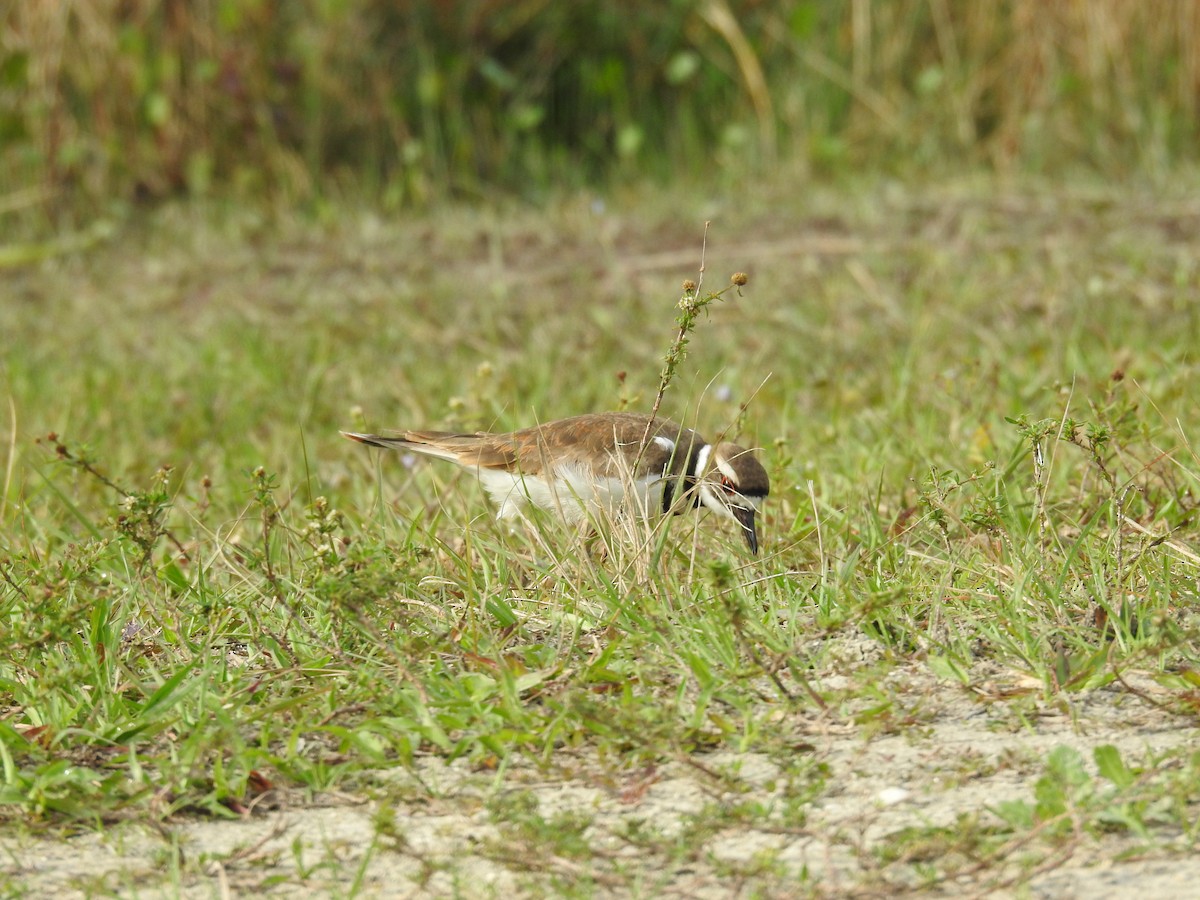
point(701, 461)
point(726, 469)
point(666, 443)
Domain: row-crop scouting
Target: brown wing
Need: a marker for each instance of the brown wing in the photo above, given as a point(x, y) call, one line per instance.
point(606, 443)
point(590, 441)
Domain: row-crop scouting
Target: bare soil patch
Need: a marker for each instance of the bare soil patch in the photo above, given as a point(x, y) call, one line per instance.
point(871, 809)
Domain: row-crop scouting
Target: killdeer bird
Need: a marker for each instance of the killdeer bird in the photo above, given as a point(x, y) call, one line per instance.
point(575, 466)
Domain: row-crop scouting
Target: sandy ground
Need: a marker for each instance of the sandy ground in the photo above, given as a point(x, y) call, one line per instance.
point(859, 812)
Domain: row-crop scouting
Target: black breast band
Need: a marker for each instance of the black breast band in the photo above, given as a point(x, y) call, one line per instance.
point(689, 478)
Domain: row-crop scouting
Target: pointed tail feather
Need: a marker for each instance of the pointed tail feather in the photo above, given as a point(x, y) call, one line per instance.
point(402, 443)
point(377, 440)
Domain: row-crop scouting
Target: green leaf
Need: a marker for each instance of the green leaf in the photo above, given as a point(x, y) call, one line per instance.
point(158, 109)
point(930, 79)
point(168, 687)
point(949, 669)
point(502, 613)
point(14, 68)
point(682, 66)
point(496, 74)
point(173, 575)
point(1111, 766)
point(629, 140)
point(1017, 813)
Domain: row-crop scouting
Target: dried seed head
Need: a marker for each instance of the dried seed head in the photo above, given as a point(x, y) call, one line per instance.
point(740, 278)
point(689, 286)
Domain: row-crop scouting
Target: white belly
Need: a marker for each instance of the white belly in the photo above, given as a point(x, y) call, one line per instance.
point(575, 495)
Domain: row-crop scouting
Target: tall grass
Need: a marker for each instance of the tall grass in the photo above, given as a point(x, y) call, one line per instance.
point(127, 102)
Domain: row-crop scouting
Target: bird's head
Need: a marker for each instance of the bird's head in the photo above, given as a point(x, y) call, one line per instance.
point(734, 485)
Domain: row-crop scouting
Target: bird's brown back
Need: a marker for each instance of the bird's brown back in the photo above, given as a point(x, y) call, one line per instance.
point(588, 441)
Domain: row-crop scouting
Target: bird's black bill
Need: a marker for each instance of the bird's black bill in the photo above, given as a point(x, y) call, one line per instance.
point(745, 518)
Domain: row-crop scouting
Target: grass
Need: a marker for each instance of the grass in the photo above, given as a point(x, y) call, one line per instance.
point(977, 405)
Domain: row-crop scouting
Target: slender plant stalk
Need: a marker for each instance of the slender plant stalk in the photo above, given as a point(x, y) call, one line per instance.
point(691, 305)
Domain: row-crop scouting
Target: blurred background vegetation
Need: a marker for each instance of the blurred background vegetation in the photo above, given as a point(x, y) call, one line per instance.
point(109, 104)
